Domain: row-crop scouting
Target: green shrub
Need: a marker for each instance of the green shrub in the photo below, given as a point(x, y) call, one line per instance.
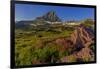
point(46, 55)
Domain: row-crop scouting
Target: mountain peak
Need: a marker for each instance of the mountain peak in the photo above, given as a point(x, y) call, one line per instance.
point(50, 16)
point(53, 12)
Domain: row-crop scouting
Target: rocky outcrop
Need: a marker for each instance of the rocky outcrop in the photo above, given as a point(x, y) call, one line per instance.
point(81, 39)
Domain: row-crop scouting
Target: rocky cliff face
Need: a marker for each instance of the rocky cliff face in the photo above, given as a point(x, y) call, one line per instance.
point(50, 16)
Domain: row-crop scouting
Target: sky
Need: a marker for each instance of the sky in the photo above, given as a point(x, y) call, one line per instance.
point(30, 12)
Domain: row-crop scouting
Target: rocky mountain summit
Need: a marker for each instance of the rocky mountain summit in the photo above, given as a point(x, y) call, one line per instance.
point(50, 16)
